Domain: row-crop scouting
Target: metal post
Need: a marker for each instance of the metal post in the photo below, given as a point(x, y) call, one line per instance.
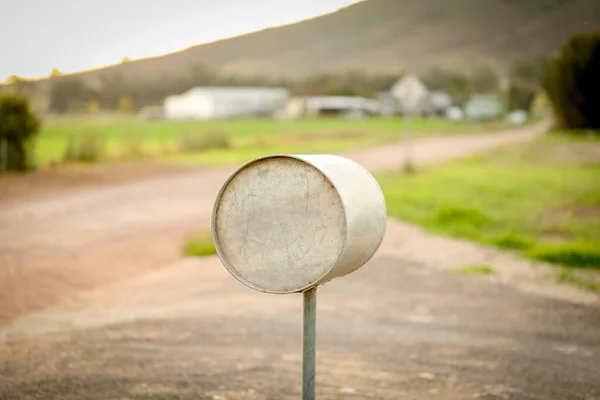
point(408, 141)
point(309, 342)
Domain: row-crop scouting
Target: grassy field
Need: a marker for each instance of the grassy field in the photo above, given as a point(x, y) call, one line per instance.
point(199, 246)
point(541, 199)
point(129, 137)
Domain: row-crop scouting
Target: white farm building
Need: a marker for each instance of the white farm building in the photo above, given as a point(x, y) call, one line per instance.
point(203, 103)
point(483, 107)
point(314, 106)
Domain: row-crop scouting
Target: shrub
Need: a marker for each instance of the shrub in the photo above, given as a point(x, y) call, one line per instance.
point(18, 129)
point(520, 96)
point(133, 146)
point(89, 149)
point(71, 153)
point(213, 139)
point(571, 82)
point(474, 270)
point(578, 254)
point(460, 215)
point(568, 275)
point(199, 246)
point(511, 240)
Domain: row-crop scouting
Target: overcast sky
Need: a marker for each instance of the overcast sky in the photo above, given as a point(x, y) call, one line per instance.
point(73, 35)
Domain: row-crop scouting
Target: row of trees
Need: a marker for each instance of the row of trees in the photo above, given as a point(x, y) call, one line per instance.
point(72, 93)
point(569, 80)
point(572, 84)
point(112, 91)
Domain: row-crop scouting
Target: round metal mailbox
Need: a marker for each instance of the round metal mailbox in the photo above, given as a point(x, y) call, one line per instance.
point(286, 223)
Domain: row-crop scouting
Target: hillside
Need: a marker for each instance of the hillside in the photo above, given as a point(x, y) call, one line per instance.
point(386, 36)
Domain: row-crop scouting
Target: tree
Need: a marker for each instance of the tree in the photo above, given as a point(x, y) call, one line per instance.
point(93, 107)
point(484, 79)
point(525, 81)
point(55, 73)
point(13, 79)
point(541, 104)
point(68, 92)
point(453, 83)
point(18, 129)
point(528, 71)
point(340, 90)
point(520, 96)
point(572, 85)
point(125, 104)
point(18, 85)
point(199, 75)
point(113, 87)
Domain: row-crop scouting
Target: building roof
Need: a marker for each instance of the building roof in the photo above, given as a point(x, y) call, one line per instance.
point(237, 89)
point(408, 86)
point(340, 102)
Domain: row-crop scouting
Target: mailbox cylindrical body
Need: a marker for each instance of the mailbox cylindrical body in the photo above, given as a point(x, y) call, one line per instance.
point(286, 223)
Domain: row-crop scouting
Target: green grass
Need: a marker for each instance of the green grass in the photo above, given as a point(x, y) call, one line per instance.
point(249, 138)
point(200, 246)
point(474, 270)
point(541, 199)
point(571, 276)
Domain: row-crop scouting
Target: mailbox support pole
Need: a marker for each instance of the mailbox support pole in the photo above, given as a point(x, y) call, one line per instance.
point(408, 164)
point(309, 344)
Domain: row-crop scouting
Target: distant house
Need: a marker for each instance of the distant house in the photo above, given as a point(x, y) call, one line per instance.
point(388, 106)
point(203, 103)
point(483, 107)
point(436, 103)
point(313, 106)
point(152, 112)
point(410, 94)
point(454, 113)
point(517, 117)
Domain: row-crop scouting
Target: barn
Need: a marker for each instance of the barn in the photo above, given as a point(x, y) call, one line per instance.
point(313, 106)
point(204, 103)
point(483, 107)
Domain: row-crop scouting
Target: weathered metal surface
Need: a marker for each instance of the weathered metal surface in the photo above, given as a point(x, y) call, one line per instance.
point(309, 344)
point(283, 223)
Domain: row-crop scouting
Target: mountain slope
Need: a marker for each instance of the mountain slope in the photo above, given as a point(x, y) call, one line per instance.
point(386, 36)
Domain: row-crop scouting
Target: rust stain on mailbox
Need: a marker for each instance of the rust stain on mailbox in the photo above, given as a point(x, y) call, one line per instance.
point(287, 223)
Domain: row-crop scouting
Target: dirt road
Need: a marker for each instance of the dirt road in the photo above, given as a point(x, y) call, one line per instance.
point(60, 242)
point(398, 328)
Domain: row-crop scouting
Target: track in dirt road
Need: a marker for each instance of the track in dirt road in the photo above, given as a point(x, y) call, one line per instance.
point(396, 329)
point(57, 245)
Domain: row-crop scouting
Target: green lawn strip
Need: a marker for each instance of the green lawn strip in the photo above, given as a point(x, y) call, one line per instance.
point(161, 137)
point(199, 246)
point(577, 278)
point(474, 270)
point(238, 155)
point(541, 199)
